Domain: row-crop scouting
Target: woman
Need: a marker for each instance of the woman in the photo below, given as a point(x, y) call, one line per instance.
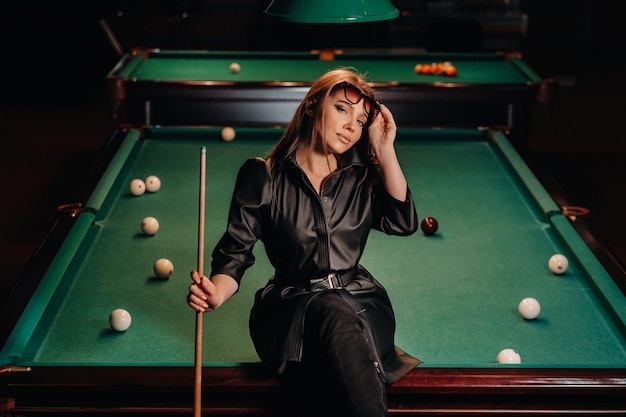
point(332, 177)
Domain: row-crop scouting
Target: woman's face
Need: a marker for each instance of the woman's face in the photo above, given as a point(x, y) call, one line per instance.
point(344, 122)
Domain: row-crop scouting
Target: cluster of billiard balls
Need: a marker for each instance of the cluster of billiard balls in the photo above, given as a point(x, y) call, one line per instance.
point(138, 187)
point(436, 68)
point(163, 268)
point(120, 319)
point(529, 308)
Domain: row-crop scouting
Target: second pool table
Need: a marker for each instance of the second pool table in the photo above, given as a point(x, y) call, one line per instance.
point(455, 293)
point(164, 87)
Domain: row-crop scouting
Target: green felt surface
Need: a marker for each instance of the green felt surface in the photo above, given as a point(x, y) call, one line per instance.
point(305, 68)
point(455, 293)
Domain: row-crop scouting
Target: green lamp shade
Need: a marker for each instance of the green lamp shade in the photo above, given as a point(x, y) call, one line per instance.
point(331, 11)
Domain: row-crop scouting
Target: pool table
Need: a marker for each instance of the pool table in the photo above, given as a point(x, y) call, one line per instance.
point(161, 87)
point(455, 292)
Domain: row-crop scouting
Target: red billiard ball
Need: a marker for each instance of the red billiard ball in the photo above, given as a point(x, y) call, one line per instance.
point(429, 225)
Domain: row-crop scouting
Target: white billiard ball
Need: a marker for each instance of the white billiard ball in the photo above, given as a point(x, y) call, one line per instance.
point(228, 134)
point(120, 320)
point(508, 356)
point(234, 68)
point(558, 264)
point(150, 225)
point(163, 268)
point(137, 186)
point(153, 183)
point(529, 308)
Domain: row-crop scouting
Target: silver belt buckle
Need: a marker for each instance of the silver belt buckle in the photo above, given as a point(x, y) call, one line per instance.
point(331, 283)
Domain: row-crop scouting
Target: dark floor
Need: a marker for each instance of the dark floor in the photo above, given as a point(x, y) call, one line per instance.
point(48, 148)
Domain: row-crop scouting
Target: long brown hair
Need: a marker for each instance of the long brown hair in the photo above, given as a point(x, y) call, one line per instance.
point(307, 122)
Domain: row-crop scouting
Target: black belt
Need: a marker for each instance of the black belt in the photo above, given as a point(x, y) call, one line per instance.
point(332, 281)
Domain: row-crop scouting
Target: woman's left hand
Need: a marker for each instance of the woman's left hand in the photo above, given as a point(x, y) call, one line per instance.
point(382, 134)
point(382, 130)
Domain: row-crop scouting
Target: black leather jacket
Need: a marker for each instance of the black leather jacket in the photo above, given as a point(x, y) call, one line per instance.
point(306, 235)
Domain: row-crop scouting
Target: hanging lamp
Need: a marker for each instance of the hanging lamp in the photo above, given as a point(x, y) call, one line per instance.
point(331, 11)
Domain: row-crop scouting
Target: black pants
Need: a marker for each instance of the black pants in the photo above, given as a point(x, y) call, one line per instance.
point(339, 369)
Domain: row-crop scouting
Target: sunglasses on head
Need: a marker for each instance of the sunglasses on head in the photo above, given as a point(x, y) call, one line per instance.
point(353, 95)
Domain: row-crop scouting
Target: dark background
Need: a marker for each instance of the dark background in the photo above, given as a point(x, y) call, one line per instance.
point(55, 116)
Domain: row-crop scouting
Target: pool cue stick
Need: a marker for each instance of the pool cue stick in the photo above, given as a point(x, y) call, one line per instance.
point(198, 356)
point(108, 32)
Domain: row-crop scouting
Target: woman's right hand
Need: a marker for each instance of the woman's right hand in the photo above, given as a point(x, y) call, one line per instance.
point(208, 294)
point(201, 291)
